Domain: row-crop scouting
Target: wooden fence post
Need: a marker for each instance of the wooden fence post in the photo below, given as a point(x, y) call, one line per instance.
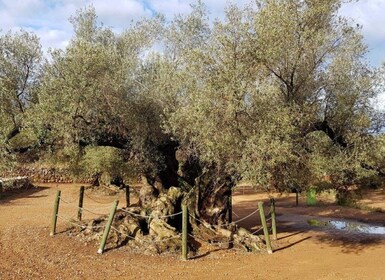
point(273, 218)
point(264, 225)
point(55, 212)
point(184, 231)
point(81, 198)
point(108, 227)
point(127, 195)
point(231, 207)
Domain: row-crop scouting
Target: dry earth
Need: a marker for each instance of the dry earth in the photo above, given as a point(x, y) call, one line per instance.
point(301, 252)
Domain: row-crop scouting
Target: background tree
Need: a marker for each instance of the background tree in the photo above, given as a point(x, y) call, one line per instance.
point(280, 95)
point(317, 61)
point(20, 61)
point(92, 94)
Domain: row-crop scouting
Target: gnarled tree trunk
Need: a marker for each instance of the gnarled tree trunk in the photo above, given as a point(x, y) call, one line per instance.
point(155, 223)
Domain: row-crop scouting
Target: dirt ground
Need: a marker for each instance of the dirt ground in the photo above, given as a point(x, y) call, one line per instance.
point(301, 252)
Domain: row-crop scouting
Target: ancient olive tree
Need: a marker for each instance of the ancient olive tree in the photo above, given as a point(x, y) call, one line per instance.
point(279, 95)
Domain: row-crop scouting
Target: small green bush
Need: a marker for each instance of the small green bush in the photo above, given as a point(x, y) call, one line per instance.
point(347, 198)
point(106, 161)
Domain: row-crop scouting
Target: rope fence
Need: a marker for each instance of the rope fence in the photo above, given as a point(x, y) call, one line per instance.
point(270, 217)
point(82, 226)
point(149, 216)
point(147, 241)
point(67, 202)
point(98, 201)
point(258, 230)
point(93, 211)
point(214, 244)
point(246, 217)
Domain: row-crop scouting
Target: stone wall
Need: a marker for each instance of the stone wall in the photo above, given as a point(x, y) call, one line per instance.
point(13, 184)
point(43, 175)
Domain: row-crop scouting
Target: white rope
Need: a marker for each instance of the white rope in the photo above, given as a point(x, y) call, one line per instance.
point(214, 244)
point(115, 229)
point(248, 216)
point(94, 200)
point(171, 215)
point(92, 211)
point(152, 242)
point(78, 225)
point(205, 223)
point(254, 232)
point(134, 214)
point(200, 221)
point(67, 202)
point(235, 214)
point(150, 216)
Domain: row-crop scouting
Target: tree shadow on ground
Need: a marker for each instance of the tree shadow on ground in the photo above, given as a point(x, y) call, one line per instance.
point(205, 254)
point(290, 235)
point(291, 244)
point(292, 221)
point(10, 196)
point(352, 243)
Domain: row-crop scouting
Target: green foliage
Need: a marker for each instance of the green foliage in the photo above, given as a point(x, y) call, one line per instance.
point(24, 139)
point(348, 198)
point(20, 60)
point(93, 93)
point(261, 83)
point(107, 161)
point(278, 94)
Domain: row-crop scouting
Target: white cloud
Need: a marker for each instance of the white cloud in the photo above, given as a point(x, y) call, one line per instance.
point(369, 14)
point(169, 8)
point(53, 38)
point(118, 13)
point(49, 18)
point(217, 8)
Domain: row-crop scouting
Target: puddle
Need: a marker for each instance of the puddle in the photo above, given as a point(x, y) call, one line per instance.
point(354, 227)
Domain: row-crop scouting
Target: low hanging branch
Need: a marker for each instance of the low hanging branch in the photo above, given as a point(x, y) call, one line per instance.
point(340, 141)
point(325, 127)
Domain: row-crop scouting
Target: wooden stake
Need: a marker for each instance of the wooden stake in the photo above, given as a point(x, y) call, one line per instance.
point(230, 207)
point(108, 227)
point(127, 196)
point(80, 208)
point(273, 218)
point(184, 231)
point(296, 197)
point(55, 212)
point(264, 225)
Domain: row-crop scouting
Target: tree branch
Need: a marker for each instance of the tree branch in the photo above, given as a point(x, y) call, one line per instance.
point(325, 127)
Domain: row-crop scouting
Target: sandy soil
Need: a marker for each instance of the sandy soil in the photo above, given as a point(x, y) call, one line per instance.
point(301, 252)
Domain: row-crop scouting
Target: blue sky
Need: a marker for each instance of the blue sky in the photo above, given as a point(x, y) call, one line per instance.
point(49, 18)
